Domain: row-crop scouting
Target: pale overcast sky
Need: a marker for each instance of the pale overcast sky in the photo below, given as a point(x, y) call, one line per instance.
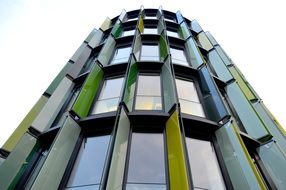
point(37, 38)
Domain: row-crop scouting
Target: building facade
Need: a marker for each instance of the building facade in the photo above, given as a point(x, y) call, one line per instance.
point(148, 101)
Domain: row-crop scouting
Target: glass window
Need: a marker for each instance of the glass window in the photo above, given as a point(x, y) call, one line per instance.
point(128, 33)
point(109, 96)
point(150, 31)
point(173, 33)
point(148, 93)
point(89, 164)
point(178, 56)
point(121, 55)
point(147, 162)
point(131, 18)
point(169, 19)
point(150, 52)
point(205, 170)
point(150, 17)
point(188, 98)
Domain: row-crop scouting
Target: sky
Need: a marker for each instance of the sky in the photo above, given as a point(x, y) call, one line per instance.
point(37, 38)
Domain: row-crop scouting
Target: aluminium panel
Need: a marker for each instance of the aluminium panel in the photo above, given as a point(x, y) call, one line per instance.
point(107, 51)
point(96, 39)
point(193, 53)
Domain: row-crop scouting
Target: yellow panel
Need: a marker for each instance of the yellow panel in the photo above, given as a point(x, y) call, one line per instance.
point(176, 157)
point(141, 24)
point(106, 24)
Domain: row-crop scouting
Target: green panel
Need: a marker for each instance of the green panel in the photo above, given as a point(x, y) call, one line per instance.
point(96, 39)
point(211, 38)
point(194, 53)
point(163, 48)
point(50, 90)
point(184, 30)
point(57, 160)
point(90, 36)
point(82, 105)
point(107, 51)
point(106, 24)
point(176, 156)
point(137, 47)
point(251, 122)
point(274, 161)
point(204, 41)
point(141, 25)
point(51, 109)
point(241, 170)
point(271, 125)
point(117, 29)
point(131, 84)
point(17, 161)
point(168, 86)
point(118, 160)
point(223, 55)
point(242, 84)
point(25, 124)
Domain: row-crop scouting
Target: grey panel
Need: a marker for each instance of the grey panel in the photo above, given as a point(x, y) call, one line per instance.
point(96, 39)
point(107, 51)
point(54, 167)
point(78, 52)
point(91, 34)
point(49, 112)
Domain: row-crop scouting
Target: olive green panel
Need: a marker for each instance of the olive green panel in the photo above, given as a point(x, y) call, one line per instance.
point(51, 109)
point(118, 160)
point(211, 38)
point(278, 135)
point(141, 24)
point(137, 47)
point(163, 48)
point(184, 30)
point(193, 53)
point(78, 52)
point(106, 24)
point(204, 41)
point(90, 36)
point(241, 170)
point(131, 84)
point(25, 124)
point(123, 16)
point(107, 51)
point(117, 29)
point(96, 39)
point(50, 90)
point(251, 122)
point(168, 86)
point(83, 103)
point(57, 160)
point(242, 83)
point(15, 164)
point(274, 161)
point(176, 157)
point(223, 55)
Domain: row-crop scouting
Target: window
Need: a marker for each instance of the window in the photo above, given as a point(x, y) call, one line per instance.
point(148, 93)
point(150, 52)
point(89, 164)
point(188, 98)
point(205, 170)
point(129, 32)
point(131, 18)
point(172, 33)
point(121, 55)
point(150, 30)
point(178, 56)
point(109, 96)
point(169, 19)
point(150, 17)
point(147, 162)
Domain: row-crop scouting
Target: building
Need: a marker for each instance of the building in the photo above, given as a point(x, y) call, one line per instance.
point(148, 101)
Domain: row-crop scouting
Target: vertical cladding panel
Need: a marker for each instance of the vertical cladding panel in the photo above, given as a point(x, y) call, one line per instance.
point(204, 41)
point(123, 16)
point(107, 51)
point(137, 47)
point(90, 36)
point(185, 32)
point(163, 48)
point(193, 53)
point(179, 17)
point(211, 38)
point(50, 111)
point(54, 167)
point(161, 26)
point(117, 29)
point(223, 55)
point(274, 161)
point(251, 122)
point(96, 39)
point(131, 84)
point(195, 26)
point(176, 156)
point(215, 107)
point(118, 160)
point(141, 24)
point(78, 52)
point(25, 124)
point(241, 170)
point(50, 90)
point(219, 67)
point(168, 86)
point(82, 105)
point(106, 24)
point(16, 163)
point(242, 84)
point(279, 137)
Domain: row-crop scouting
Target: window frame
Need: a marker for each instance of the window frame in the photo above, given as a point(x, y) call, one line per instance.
point(179, 47)
point(120, 46)
point(149, 43)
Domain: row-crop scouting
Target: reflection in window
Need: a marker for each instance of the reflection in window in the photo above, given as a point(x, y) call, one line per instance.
point(88, 167)
point(147, 162)
point(178, 56)
point(188, 98)
point(150, 31)
point(169, 19)
point(205, 170)
point(121, 55)
point(128, 33)
point(148, 93)
point(149, 52)
point(109, 96)
point(173, 33)
point(150, 17)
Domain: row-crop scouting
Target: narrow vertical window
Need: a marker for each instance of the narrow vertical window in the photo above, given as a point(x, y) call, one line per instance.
point(109, 96)
point(148, 93)
point(205, 170)
point(188, 98)
point(149, 52)
point(121, 55)
point(178, 56)
point(147, 162)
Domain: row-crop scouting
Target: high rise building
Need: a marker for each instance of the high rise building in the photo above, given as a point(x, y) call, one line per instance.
point(148, 101)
